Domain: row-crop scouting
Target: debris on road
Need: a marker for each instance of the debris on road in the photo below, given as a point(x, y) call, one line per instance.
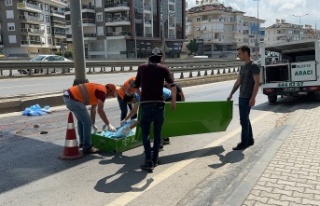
point(36, 110)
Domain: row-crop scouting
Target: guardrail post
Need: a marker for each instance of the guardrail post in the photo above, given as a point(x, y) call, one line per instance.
point(229, 71)
point(238, 69)
point(212, 72)
point(10, 73)
point(130, 69)
point(224, 71)
point(1, 72)
point(234, 69)
point(199, 73)
point(181, 75)
point(89, 70)
point(190, 75)
point(205, 73)
point(218, 71)
point(93, 69)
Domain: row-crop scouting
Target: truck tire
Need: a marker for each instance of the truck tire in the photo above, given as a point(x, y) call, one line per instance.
point(272, 98)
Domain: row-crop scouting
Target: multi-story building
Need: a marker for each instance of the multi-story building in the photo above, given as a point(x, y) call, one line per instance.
point(222, 29)
point(124, 28)
point(32, 27)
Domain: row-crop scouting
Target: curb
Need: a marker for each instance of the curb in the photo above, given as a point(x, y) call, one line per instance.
point(19, 103)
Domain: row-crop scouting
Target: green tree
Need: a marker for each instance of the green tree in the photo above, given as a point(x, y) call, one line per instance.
point(193, 46)
point(68, 54)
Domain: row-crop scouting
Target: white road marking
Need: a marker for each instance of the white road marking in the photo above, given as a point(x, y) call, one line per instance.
point(31, 85)
point(130, 196)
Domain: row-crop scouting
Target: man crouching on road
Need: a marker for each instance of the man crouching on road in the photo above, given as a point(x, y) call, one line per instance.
point(248, 80)
point(150, 78)
point(77, 97)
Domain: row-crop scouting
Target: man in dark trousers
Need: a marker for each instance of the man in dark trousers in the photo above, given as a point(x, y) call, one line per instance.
point(150, 78)
point(248, 80)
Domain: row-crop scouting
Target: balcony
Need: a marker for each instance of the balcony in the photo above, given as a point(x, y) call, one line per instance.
point(171, 25)
point(148, 35)
point(124, 6)
point(88, 7)
point(171, 1)
point(147, 22)
point(31, 42)
point(59, 35)
point(29, 7)
point(32, 31)
point(30, 19)
point(147, 8)
point(117, 21)
point(118, 35)
point(172, 36)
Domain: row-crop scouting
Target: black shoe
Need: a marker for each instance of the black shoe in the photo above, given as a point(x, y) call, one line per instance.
point(240, 147)
point(165, 141)
point(147, 166)
point(160, 148)
point(91, 150)
point(250, 143)
point(155, 162)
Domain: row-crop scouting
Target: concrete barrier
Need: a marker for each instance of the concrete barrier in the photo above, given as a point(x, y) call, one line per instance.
point(16, 104)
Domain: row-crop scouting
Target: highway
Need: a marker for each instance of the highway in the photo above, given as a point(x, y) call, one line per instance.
point(194, 169)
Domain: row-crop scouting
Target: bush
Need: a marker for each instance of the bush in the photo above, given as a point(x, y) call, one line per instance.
point(68, 54)
point(59, 53)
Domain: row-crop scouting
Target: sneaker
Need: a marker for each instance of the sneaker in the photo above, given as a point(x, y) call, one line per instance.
point(241, 146)
point(166, 141)
point(155, 162)
point(147, 166)
point(91, 150)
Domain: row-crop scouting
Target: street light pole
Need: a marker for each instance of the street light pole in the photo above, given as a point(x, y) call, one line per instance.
point(258, 30)
point(299, 16)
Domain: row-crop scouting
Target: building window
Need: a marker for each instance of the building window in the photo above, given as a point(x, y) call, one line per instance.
point(12, 39)
point(46, 6)
point(48, 30)
point(47, 18)
point(49, 40)
point(98, 3)
point(9, 14)
point(8, 2)
point(100, 31)
point(11, 27)
point(99, 17)
point(198, 19)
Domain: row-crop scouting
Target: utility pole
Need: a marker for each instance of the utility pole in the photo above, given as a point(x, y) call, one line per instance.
point(135, 37)
point(162, 32)
point(300, 22)
point(78, 43)
point(258, 30)
point(212, 40)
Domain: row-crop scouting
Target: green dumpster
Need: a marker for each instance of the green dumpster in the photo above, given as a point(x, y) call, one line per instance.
point(189, 118)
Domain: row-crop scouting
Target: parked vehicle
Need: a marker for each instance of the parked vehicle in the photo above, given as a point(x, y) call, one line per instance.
point(295, 71)
point(2, 55)
point(45, 58)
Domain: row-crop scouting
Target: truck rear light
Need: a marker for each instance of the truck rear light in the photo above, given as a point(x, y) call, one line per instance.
point(268, 90)
point(313, 88)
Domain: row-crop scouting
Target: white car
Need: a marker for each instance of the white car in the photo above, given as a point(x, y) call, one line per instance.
point(45, 58)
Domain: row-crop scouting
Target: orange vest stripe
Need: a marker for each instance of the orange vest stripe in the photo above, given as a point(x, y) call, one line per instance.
point(91, 99)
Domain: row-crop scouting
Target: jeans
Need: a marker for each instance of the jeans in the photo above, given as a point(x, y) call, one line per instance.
point(244, 110)
point(124, 109)
point(84, 121)
point(153, 112)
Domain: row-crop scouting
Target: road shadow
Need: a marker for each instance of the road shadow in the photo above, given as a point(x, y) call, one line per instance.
point(123, 180)
point(230, 157)
point(25, 160)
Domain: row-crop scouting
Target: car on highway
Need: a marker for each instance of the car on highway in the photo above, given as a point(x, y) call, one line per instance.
point(46, 58)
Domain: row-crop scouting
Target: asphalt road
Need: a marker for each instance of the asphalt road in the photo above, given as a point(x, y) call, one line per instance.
point(194, 170)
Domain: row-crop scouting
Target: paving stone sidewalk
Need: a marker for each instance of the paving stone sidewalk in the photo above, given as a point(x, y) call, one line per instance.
point(293, 175)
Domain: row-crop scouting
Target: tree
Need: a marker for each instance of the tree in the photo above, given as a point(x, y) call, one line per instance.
point(193, 46)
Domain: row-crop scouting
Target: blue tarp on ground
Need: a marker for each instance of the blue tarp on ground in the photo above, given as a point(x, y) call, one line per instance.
point(35, 110)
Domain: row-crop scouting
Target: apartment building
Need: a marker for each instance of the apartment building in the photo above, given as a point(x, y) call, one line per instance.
point(125, 29)
point(282, 31)
point(222, 29)
point(30, 27)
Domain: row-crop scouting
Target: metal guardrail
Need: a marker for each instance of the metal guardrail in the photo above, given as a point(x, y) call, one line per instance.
point(176, 66)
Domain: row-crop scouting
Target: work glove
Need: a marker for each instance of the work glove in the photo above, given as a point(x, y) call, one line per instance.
point(95, 128)
point(109, 127)
point(123, 122)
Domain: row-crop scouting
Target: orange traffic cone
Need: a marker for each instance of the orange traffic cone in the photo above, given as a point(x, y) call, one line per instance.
point(71, 149)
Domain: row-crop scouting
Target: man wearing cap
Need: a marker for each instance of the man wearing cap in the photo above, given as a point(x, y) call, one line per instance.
point(77, 97)
point(150, 78)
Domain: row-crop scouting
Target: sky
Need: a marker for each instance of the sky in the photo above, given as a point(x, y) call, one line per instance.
point(270, 10)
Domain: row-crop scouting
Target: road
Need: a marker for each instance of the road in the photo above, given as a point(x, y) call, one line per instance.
point(194, 170)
